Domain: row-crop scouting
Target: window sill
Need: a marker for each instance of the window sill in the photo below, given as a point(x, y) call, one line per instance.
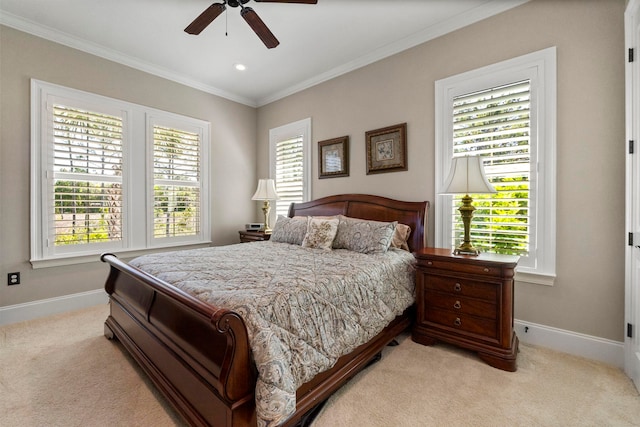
point(82, 259)
point(535, 278)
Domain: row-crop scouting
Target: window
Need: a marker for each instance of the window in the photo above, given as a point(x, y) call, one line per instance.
point(94, 189)
point(506, 114)
point(87, 177)
point(176, 182)
point(290, 158)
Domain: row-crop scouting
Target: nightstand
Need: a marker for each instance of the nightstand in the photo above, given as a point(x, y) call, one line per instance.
point(253, 236)
point(467, 301)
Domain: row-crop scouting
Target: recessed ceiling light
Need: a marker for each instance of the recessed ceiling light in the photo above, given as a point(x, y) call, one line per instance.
point(240, 67)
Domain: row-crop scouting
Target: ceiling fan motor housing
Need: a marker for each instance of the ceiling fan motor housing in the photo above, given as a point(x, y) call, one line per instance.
point(236, 3)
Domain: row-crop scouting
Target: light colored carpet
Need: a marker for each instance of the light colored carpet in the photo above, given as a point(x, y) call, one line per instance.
point(61, 371)
point(415, 385)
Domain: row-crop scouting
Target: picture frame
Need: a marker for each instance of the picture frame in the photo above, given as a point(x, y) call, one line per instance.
point(387, 149)
point(333, 157)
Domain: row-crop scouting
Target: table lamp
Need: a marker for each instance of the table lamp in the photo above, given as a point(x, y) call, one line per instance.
point(467, 177)
point(266, 191)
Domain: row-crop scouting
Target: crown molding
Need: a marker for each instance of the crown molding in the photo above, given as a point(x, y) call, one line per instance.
point(479, 13)
point(472, 16)
point(38, 30)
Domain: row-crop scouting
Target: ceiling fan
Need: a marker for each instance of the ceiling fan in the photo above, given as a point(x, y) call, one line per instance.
point(249, 15)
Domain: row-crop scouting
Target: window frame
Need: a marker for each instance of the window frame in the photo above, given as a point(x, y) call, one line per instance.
point(300, 128)
point(135, 185)
point(186, 124)
point(540, 68)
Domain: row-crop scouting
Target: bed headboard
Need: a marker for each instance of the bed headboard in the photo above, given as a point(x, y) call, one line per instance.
point(375, 208)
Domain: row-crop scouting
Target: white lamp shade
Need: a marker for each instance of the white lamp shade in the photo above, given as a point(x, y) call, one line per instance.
point(266, 190)
point(467, 177)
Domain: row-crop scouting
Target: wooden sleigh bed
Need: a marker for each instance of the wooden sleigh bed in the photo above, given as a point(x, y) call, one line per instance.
point(199, 356)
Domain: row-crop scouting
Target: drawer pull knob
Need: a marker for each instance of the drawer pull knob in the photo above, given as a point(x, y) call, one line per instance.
point(457, 322)
point(457, 287)
point(429, 262)
point(486, 270)
point(457, 305)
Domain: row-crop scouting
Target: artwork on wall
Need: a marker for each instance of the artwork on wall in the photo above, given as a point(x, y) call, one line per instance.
point(333, 155)
point(387, 149)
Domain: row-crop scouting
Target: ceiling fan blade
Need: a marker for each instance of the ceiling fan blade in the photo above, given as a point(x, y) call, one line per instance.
point(288, 1)
point(259, 27)
point(205, 18)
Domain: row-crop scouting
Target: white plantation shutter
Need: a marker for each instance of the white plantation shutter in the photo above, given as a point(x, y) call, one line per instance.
point(290, 164)
point(176, 182)
point(495, 124)
point(289, 173)
point(112, 176)
point(86, 189)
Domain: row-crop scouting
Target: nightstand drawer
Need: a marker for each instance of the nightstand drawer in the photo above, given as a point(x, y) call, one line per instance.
point(460, 305)
point(462, 287)
point(485, 327)
point(463, 268)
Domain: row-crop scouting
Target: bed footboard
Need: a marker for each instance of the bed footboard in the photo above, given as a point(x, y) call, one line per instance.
point(198, 355)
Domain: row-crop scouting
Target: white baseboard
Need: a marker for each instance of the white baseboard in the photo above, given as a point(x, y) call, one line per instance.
point(50, 306)
point(604, 350)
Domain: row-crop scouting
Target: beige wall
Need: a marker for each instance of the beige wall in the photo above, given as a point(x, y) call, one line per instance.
point(588, 296)
point(22, 57)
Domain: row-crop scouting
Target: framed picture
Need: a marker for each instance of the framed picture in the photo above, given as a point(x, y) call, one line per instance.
point(333, 156)
point(387, 149)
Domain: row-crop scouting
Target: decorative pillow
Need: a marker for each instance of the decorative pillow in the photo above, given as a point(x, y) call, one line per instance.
point(289, 230)
point(320, 233)
point(401, 236)
point(367, 237)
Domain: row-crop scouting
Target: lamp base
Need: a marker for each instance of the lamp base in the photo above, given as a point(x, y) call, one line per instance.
point(265, 210)
point(466, 249)
point(466, 212)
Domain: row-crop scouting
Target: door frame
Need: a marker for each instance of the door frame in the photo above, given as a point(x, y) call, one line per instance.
point(632, 192)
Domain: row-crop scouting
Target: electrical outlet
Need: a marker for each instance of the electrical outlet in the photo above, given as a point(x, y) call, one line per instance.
point(13, 278)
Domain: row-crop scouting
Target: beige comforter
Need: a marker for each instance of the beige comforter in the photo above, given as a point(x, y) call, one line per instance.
point(303, 308)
